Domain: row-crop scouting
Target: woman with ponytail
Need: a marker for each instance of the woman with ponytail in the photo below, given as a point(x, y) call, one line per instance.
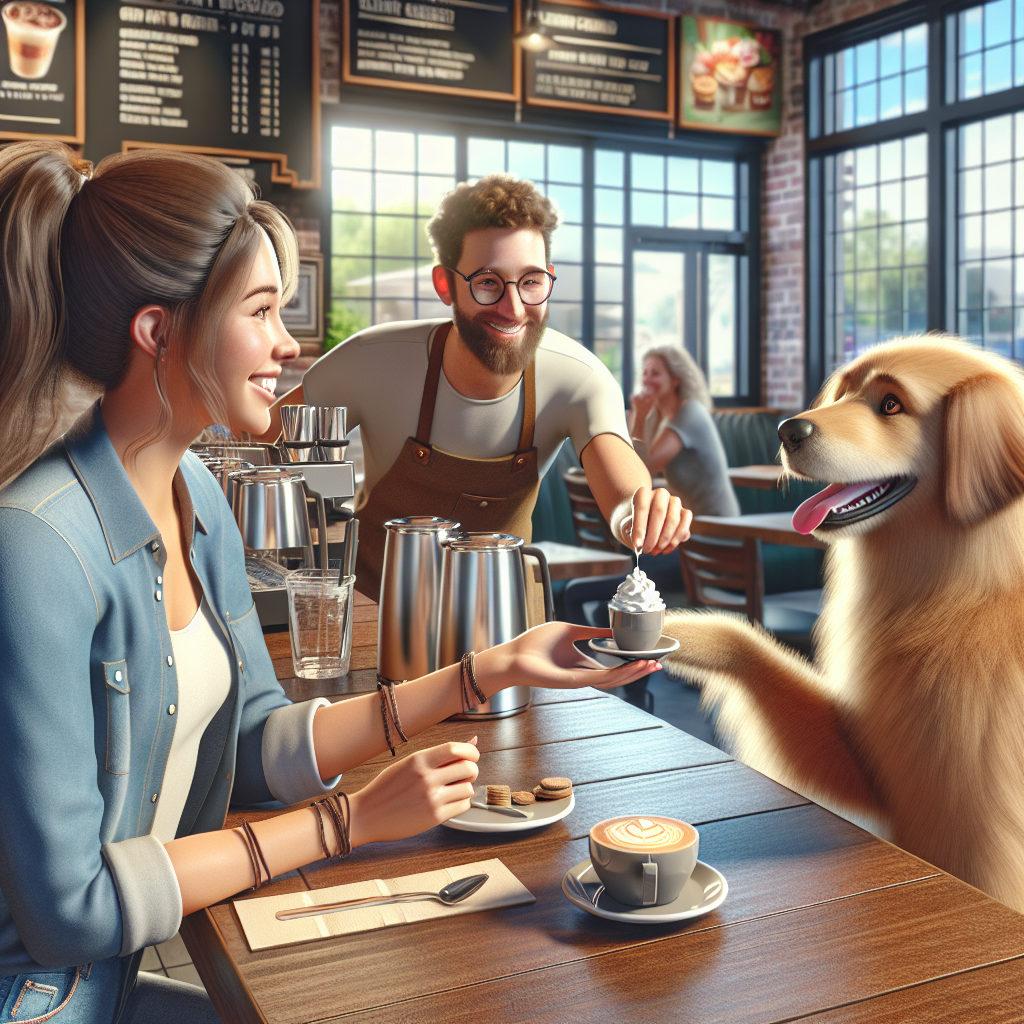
point(137, 698)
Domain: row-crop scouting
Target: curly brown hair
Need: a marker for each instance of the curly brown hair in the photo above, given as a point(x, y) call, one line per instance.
point(495, 201)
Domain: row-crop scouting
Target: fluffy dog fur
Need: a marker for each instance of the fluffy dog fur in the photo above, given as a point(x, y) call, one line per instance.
point(913, 712)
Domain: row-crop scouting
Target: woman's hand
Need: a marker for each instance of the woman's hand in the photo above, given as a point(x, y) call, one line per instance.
point(415, 794)
point(640, 406)
point(545, 656)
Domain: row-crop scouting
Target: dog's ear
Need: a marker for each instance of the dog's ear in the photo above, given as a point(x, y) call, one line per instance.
point(983, 447)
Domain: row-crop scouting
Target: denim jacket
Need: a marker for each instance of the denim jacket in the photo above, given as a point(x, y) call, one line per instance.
point(87, 685)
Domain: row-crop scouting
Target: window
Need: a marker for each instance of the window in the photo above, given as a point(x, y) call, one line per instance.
point(916, 206)
point(612, 201)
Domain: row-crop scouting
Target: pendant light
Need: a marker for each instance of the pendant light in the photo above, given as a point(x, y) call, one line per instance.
point(532, 36)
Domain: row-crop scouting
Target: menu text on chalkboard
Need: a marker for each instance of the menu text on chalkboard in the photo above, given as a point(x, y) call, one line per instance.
point(604, 59)
point(42, 70)
point(237, 78)
point(456, 47)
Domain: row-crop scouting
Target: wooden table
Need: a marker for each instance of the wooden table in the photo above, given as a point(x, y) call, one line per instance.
point(823, 922)
point(764, 478)
point(769, 527)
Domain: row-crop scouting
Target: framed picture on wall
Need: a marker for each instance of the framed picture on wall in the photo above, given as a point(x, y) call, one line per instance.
point(730, 77)
point(304, 315)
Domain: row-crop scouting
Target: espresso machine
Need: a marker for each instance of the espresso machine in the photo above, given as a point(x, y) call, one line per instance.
point(279, 492)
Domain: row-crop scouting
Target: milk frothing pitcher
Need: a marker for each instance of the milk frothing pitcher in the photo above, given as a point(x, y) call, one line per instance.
point(409, 588)
point(483, 603)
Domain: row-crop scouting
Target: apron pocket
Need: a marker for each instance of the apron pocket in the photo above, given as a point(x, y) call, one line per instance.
point(481, 513)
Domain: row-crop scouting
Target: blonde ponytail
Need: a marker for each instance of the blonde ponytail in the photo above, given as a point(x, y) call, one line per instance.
point(38, 182)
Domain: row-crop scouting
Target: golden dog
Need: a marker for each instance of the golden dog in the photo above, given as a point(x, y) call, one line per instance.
point(913, 712)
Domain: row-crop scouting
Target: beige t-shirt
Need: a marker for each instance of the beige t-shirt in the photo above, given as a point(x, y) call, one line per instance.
point(379, 373)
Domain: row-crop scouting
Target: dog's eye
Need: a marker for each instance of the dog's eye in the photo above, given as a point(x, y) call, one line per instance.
point(891, 405)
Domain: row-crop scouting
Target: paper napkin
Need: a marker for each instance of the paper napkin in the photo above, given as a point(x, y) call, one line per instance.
point(264, 931)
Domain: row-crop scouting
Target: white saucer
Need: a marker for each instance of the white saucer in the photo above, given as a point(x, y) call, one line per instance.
point(705, 891)
point(543, 812)
point(607, 645)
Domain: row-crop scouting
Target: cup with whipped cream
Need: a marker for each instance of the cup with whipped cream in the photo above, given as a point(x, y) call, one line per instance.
point(637, 613)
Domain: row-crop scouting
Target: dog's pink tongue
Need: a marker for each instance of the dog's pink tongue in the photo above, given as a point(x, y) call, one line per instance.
point(810, 515)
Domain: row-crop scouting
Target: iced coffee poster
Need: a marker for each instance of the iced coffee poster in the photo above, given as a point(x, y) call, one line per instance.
point(42, 69)
point(730, 77)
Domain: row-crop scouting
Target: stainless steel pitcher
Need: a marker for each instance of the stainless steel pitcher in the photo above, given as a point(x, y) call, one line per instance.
point(483, 603)
point(269, 505)
point(409, 589)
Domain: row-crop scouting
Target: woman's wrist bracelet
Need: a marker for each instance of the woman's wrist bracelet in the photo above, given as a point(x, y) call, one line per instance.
point(389, 709)
point(255, 856)
point(339, 810)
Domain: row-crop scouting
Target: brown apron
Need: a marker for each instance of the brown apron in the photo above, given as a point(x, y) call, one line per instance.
point(493, 495)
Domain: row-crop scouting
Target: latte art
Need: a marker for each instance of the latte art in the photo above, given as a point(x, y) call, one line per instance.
point(644, 834)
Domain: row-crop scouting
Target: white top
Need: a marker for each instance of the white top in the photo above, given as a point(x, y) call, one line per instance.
point(379, 373)
point(203, 665)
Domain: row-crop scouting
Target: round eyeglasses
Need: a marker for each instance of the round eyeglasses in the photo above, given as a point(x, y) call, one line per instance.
point(487, 287)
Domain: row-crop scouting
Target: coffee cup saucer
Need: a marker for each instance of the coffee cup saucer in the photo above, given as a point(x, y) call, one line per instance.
point(606, 645)
point(705, 890)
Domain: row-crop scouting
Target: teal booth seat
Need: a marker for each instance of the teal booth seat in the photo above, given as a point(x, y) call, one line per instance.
point(749, 438)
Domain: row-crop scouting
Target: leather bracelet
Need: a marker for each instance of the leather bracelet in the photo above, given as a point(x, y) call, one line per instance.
point(469, 660)
point(467, 697)
point(389, 708)
point(255, 855)
point(341, 819)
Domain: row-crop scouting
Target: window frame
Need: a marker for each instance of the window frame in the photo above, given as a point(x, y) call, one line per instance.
point(747, 152)
point(945, 114)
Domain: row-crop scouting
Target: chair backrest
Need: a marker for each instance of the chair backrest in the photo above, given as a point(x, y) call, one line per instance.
point(724, 574)
point(591, 529)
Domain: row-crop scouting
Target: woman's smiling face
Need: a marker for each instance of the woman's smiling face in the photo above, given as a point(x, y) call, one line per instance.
point(656, 380)
point(252, 346)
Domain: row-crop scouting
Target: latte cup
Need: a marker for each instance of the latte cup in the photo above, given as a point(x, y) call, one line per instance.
point(636, 631)
point(643, 861)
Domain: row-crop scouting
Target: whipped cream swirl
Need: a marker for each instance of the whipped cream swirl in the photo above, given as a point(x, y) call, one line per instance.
point(637, 593)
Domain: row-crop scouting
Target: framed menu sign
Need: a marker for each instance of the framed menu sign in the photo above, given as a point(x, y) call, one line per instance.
point(42, 70)
point(456, 47)
point(232, 78)
point(605, 59)
point(731, 78)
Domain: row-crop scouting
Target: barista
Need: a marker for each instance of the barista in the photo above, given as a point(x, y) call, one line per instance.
point(461, 418)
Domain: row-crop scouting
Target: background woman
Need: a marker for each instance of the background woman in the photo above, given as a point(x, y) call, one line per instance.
point(671, 414)
point(136, 695)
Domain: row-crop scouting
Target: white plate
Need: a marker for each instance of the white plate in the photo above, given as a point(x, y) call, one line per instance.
point(705, 891)
point(606, 645)
point(478, 820)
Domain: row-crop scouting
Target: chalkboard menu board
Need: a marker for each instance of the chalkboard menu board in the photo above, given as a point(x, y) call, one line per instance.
point(456, 47)
point(42, 70)
point(604, 59)
point(237, 78)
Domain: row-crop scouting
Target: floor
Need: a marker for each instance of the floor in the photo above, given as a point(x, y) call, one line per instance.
point(171, 959)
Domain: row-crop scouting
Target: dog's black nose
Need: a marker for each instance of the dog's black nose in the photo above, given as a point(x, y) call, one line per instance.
point(793, 431)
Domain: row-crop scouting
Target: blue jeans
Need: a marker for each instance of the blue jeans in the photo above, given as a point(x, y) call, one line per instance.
point(89, 995)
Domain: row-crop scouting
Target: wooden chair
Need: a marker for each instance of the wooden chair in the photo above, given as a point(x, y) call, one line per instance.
point(591, 529)
point(729, 575)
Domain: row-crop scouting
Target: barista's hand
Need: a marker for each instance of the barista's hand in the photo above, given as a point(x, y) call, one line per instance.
point(545, 656)
point(415, 794)
point(657, 522)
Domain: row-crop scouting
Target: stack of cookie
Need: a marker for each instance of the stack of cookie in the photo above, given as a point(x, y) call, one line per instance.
point(499, 796)
point(557, 788)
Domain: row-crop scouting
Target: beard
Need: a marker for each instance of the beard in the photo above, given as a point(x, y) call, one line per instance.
point(502, 359)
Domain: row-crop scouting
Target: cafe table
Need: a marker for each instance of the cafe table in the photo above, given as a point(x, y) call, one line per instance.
point(823, 922)
point(764, 478)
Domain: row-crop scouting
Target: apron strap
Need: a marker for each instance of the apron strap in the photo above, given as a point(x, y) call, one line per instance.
point(529, 408)
point(430, 385)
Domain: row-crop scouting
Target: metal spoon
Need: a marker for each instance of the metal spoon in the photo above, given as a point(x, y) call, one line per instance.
point(452, 893)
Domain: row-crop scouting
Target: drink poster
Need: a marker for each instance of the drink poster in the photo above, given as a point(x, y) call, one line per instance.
point(42, 70)
point(233, 78)
point(455, 47)
point(731, 77)
point(604, 59)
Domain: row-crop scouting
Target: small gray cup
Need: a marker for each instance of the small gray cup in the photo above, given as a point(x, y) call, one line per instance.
point(636, 631)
